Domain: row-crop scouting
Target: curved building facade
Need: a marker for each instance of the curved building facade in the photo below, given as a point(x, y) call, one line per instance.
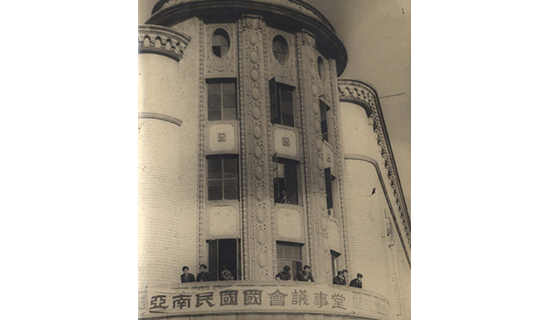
point(254, 156)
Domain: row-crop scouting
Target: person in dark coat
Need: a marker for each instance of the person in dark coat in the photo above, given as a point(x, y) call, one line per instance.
point(282, 197)
point(186, 276)
point(203, 274)
point(339, 279)
point(346, 277)
point(357, 282)
point(284, 275)
point(304, 275)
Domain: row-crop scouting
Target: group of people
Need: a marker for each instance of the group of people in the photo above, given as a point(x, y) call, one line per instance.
point(204, 275)
point(304, 275)
point(285, 275)
point(342, 279)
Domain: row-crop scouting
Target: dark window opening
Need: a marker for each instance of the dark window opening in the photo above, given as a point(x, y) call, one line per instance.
point(334, 257)
point(220, 43)
point(286, 179)
point(222, 99)
point(282, 108)
point(324, 124)
point(289, 254)
point(223, 178)
point(328, 185)
point(224, 259)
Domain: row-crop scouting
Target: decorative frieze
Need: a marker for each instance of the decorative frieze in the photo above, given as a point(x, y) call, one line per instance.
point(162, 40)
point(364, 95)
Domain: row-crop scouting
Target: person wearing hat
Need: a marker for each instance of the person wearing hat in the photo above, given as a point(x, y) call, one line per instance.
point(357, 282)
point(304, 275)
point(186, 276)
point(203, 274)
point(284, 275)
point(339, 279)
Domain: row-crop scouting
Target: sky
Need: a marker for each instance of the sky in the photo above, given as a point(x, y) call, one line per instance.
point(377, 36)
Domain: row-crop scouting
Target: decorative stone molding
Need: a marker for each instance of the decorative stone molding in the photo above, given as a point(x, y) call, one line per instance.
point(158, 116)
point(226, 63)
point(162, 40)
point(286, 70)
point(202, 249)
point(364, 94)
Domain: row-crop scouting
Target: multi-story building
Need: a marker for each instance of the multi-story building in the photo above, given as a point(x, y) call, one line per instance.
point(253, 156)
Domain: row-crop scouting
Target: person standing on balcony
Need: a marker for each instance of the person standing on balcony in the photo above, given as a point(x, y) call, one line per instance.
point(345, 273)
point(304, 275)
point(186, 276)
point(339, 279)
point(357, 282)
point(284, 275)
point(203, 274)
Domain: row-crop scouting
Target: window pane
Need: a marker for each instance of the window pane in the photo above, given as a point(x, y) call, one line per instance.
point(288, 252)
point(214, 88)
point(291, 183)
point(230, 168)
point(229, 114)
point(288, 120)
point(215, 190)
point(296, 267)
point(297, 253)
point(229, 101)
point(229, 88)
point(214, 101)
point(214, 168)
point(231, 193)
point(280, 251)
point(213, 259)
point(214, 115)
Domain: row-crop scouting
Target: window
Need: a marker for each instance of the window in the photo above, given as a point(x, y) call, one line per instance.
point(334, 257)
point(286, 179)
point(280, 49)
point(224, 254)
point(321, 69)
point(289, 254)
point(282, 109)
point(220, 43)
point(223, 178)
point(222, 99)
point(324, 124)
point(328, 186)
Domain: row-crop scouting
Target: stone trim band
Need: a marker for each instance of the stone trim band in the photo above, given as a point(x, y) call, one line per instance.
point(158, 116)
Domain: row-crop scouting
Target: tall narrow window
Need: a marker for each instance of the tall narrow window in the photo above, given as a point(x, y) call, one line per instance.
point(282, 108)
point(222, 99)
point(328, 186)
point(334, 257)
point(223, 178)
point(224, 259)
point(289, 254)
point(220, 43)
point(286, 182)
point(324, 125)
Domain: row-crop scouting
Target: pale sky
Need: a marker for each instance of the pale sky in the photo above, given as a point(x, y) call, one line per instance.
point(377, 36)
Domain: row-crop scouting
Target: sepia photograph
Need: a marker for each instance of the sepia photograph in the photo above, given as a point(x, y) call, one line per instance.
point(274, 175)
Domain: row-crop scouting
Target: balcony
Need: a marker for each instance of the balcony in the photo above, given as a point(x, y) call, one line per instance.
point(281, 297)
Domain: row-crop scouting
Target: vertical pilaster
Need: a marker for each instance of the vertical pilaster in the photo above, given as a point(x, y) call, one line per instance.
point(313, 163)
point(256, 209)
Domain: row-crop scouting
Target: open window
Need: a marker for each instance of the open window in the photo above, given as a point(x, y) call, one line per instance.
point(223, 177)
point(224, 254)
point(328, 187)
point(334, 257)
point(285, 183)
point(324, 108)
point(282, 106)
point(289, 254)
point(222, 99)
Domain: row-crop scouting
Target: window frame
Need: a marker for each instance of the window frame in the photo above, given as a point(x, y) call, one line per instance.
point(222, 82)
point(222, 178)
point(275, 97)
point(291, 262)
point(276, 181)
point(323, 110)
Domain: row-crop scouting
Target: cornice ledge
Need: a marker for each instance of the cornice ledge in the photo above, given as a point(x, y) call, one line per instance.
point(365, 95)
point(162, 40)
point(158, 116)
